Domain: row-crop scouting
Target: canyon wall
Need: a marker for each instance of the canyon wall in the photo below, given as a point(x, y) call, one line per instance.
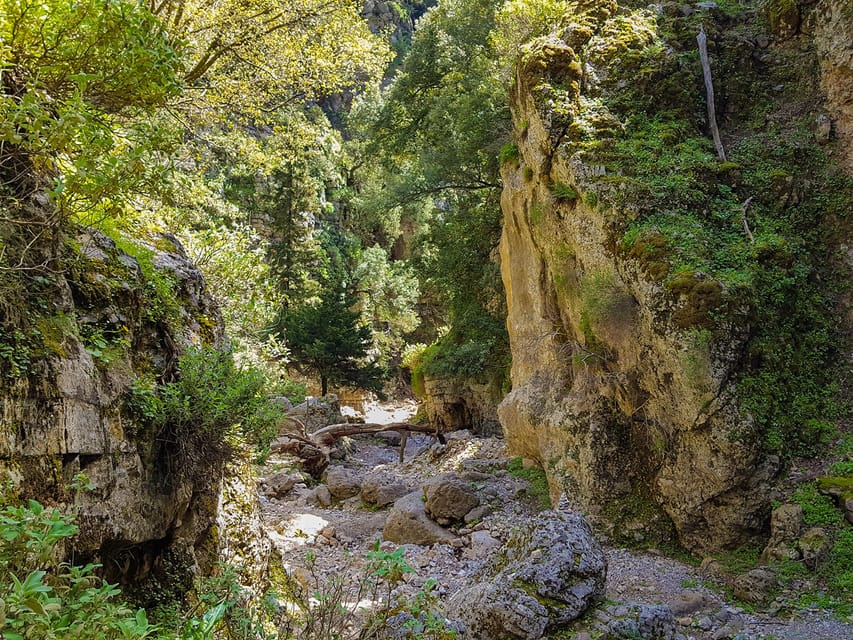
point(632, 333)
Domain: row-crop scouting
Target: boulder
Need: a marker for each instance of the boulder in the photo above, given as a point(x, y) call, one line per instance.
point(815, 545)
point(629, 620)
point(323, 495)
point(280, 483)
point(449, 498)
point(407, 523)
point(316, 413)
point(477, 513)
point(482, 544)
point(343, 483)
point(785, 524)
point(756, 585)
point(548, 574)
point(383, 489)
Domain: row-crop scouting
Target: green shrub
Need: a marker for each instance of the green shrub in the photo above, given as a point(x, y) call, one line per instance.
point(203, 415)
point(818, 509)
point(509, 153)
point(40, 598)
point(564, 192)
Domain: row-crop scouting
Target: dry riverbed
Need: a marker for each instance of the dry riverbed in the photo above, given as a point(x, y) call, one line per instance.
point(338, 534)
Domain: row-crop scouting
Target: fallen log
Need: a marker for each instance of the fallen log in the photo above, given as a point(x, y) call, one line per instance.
point(314, 449)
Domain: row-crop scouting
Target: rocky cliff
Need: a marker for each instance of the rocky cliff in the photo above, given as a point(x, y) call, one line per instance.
point(648, 281)
point(112, 318)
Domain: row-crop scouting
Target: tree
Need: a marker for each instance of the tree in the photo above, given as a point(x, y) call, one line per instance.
point(440, 133)
point(328, 339)
point(77, 82)
point(249, 58)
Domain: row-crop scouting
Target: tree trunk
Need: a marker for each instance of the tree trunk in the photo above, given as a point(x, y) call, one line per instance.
point(314, 449)
point(324, 385)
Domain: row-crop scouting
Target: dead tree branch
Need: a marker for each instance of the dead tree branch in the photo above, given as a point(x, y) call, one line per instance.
point(709, 91)
point(313, 449)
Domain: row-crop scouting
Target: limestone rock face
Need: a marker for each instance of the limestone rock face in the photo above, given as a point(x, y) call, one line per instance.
point(452, 404)
point(71, 413)
point(833, 22)
point(547, 575)
point(613, 389)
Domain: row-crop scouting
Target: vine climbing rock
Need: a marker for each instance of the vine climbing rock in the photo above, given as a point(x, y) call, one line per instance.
point(549, 573)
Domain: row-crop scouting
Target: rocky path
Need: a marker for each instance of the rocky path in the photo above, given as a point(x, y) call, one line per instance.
point(325, 533)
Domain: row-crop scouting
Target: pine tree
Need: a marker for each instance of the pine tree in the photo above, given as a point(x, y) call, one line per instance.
point(328, 339)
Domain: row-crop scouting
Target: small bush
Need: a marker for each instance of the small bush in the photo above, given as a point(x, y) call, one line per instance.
point(207, 411)
point(40, 598)
point(818, 509)
point(509, 153)
point(564, 192)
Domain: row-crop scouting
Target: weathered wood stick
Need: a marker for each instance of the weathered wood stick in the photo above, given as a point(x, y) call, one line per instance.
point(709, 90)
point(332, 432)
point(743, 219)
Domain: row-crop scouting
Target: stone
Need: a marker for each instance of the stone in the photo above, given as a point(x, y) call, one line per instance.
point(549, 573)
point(631, 620)
point(705, 623)
point(712, 489)
point(315, 413)
point(688, 602)
point(454, 404)
point(482, 544)
point(407, 523)
point(323, 495)
point(815, 545)
point(477, 513)
point(144, 507)
point(785, 524)
point(280, 483)
point(833, 27)
point(383, 489)
point(823, 128)
point(343, 483)
point(755, 585)
point(449, 497)
point(485, 465)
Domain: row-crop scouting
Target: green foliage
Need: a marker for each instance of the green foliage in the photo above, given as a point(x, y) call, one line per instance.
point(689, 218)
point(509, 153)
point(42, 599)
point(75, 74)
point(564, 192)
point(202, 415)
point(520, 21)
point(328, 339)
point(537, 482)
point(388, 292)
point(818, 509)
point(442, 133)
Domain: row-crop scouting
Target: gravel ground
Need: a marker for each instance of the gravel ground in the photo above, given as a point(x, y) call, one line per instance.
point(341, 536)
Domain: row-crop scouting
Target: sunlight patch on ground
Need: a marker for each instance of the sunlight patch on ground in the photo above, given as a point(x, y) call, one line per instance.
point(298, 530)
point(455, 452)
